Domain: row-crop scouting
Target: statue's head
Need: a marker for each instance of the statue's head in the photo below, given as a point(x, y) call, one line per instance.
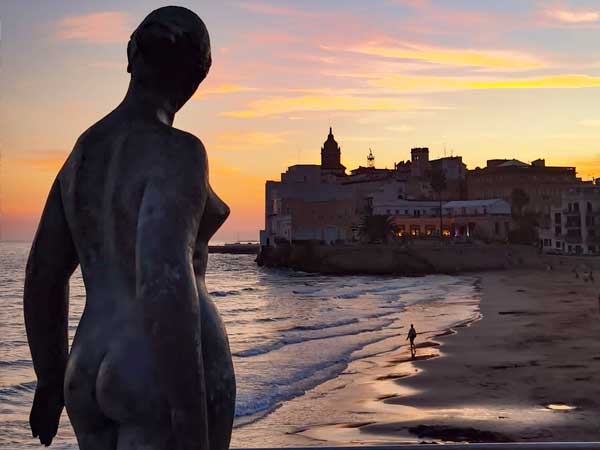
point(169, 54)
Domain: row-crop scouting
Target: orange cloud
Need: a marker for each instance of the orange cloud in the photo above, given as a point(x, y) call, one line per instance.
point(591, 123)
point(573, 16)
point(318, 103)
point(41, 161)
point(26, 183)
point(489, 59)
point(413, 83)
point(101, 27)
point(244, 140)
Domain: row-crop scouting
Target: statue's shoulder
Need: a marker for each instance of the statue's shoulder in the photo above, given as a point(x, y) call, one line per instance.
point(184, 140)
point(189, 148)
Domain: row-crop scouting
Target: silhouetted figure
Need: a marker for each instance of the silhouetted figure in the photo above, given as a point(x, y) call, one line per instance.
point(150, 365)
point(412, 334)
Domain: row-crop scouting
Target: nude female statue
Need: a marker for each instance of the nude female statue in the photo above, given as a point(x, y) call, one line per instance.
point(150, 365)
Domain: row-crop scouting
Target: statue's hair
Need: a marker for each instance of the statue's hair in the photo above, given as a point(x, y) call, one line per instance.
point(169, 38)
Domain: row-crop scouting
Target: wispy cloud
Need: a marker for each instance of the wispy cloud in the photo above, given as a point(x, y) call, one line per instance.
point(276, 10)
point(432, 84)
point(571, 16)
point(590, 123)
point(399, 128)
point(319, 103)
point(459, 57)
point(100, 27)
point(248, 140)
point(46, 161)
point(222, 89)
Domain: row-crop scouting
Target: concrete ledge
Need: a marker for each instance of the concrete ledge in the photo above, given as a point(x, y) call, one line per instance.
point(491, 446)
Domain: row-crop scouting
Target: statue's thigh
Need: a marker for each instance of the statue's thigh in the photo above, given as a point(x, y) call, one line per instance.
point(139, 437)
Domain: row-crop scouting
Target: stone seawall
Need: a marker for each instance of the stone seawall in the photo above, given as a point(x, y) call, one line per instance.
point(400, 260)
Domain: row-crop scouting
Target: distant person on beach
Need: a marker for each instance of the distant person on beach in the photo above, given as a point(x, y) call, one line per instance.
point(412, 334)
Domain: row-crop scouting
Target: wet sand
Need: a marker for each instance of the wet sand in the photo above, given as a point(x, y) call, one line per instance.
point(529, 370)
point(492, 378)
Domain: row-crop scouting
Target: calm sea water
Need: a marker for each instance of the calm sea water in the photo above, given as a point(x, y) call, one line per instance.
point(288, 331)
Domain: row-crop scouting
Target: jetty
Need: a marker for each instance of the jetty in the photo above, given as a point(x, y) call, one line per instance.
point(237, 248)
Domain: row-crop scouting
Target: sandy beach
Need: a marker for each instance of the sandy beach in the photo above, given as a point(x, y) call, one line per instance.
point(524, 367)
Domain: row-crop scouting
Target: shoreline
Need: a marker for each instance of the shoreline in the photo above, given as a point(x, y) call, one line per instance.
point(492, 378)
point(498, 378)
point(344, 400)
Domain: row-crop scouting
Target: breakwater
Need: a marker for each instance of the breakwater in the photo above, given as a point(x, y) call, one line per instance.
point(391, 259)
point(235, 249)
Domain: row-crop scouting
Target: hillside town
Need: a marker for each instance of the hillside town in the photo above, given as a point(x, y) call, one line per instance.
point(507, 201)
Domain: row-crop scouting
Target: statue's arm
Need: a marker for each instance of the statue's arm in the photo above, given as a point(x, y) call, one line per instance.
point(170, 212)
point(51, 262)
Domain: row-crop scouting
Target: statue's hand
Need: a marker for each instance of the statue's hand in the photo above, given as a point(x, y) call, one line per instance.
point(45, 414)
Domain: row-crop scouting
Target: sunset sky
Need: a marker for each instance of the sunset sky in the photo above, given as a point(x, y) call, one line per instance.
point(479, 78)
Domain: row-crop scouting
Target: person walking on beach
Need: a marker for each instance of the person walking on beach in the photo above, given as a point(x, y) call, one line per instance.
point(412, 334)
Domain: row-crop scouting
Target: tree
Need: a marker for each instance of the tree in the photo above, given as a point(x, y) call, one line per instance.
point(438, 184)
point(527, 222)
point(518, 200)
point(377, 228)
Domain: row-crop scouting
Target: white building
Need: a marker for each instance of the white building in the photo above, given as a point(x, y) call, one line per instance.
point(491, 207)
point(575, 225)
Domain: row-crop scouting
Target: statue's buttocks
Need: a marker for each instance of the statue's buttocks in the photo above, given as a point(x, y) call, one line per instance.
point(150, 366)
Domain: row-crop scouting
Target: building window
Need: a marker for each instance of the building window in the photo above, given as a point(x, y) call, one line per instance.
point(558, 244)
point(401, 230)
point(446, 232)
point(429, 230)
point(415, 230)
point(496, 228)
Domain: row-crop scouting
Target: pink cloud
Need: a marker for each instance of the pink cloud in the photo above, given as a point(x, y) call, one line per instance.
point(100, 27)
point(273, 10)
point(270, 37)
point(573, 16)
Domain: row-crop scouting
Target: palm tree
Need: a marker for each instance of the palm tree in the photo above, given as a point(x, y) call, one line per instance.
point(377, 228)
point(438, 184)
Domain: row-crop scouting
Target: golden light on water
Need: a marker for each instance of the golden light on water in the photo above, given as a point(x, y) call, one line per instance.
point(560, 407)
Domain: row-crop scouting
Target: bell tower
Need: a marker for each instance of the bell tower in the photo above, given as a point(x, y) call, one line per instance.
point(331, 156)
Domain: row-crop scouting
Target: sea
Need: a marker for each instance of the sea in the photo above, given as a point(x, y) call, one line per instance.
point(289, 332)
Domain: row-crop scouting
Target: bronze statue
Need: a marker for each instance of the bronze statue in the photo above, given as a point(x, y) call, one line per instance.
point(150, 365)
